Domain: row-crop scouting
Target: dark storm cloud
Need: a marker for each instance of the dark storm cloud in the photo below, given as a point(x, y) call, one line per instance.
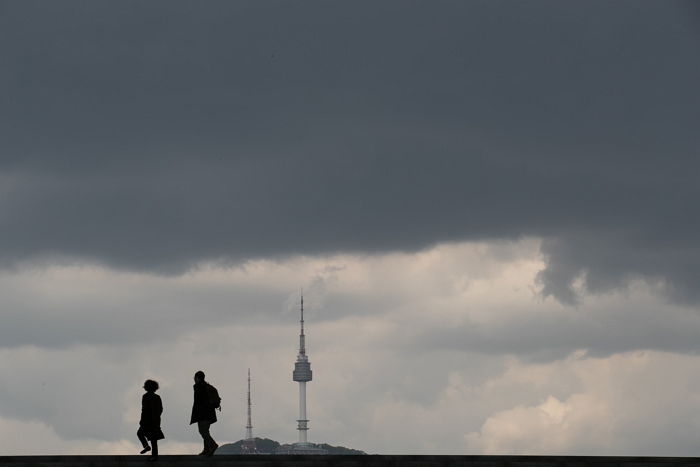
point(155, 135)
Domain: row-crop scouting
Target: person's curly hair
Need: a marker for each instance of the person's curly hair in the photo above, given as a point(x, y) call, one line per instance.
point(150, 385)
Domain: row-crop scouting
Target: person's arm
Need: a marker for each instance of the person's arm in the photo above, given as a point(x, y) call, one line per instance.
point(143, 408)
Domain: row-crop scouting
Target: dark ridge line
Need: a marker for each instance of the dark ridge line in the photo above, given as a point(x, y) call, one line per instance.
point(329, 458)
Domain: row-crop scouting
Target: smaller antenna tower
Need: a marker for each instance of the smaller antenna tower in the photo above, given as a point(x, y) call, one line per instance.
point(248, 446)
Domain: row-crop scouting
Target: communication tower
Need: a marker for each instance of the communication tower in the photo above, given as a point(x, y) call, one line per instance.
point(248, 446)
point(302, 374)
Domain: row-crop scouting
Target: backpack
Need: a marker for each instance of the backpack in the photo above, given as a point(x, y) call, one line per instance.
point(214, 399)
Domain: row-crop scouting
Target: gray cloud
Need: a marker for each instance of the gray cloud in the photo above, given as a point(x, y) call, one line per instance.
point(395, 340)
point(548, 334)
point(79, 310)
point(156, 136)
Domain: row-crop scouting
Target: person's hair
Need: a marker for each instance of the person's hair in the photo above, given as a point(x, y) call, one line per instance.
point(199, 374)
point(150, 385)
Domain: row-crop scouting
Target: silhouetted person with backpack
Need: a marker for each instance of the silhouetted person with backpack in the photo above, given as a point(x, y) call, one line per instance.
point(149, 425)
point(206, 401)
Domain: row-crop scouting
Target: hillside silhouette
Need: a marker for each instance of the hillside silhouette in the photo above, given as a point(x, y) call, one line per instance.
point(269, 446)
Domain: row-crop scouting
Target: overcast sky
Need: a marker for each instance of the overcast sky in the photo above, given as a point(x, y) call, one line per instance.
point(491, 206)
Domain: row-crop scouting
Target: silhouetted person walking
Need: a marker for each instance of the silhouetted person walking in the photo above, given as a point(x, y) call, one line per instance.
point(149, 426)
point(206, 401)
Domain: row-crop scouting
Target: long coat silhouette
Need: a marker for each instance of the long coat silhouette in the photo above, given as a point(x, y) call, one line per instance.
point(151, 409)
point(202, 409)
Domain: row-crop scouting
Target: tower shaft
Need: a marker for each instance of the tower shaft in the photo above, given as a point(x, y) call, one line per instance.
point(302, 422)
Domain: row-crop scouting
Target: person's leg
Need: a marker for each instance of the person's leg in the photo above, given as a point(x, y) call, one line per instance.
point(154, 454)
point(144, 442)
point(206, 437)
point(212, 445)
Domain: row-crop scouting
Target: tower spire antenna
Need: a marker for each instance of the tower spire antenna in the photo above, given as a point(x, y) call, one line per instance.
point(302, 311)
point(302, 337)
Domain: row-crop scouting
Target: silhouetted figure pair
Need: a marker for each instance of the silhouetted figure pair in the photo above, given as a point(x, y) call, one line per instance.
point(149, 425)
point(206, 401)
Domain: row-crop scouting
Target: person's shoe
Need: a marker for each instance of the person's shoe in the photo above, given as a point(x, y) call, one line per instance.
point(204, 451)
point(145, 450)
point(213, 448)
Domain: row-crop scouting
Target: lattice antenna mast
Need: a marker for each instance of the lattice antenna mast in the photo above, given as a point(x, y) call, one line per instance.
point(248, 446)
point(249, 426)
